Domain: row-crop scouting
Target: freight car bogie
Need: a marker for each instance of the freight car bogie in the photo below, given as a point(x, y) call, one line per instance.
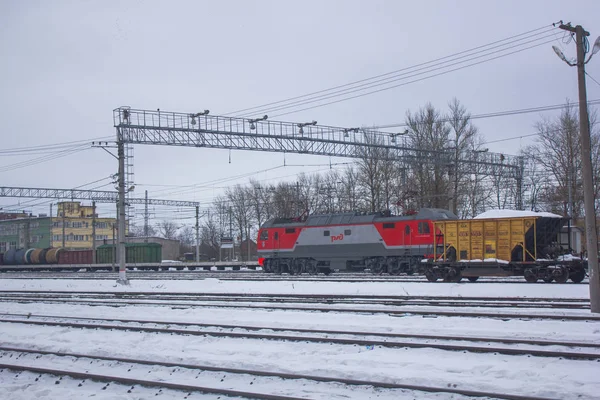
point(546, 271)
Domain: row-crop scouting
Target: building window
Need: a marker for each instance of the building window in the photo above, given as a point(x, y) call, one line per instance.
point(101, 225)
point(77, 224)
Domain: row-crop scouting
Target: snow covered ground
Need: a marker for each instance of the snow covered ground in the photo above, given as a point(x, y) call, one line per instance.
point(526, 375)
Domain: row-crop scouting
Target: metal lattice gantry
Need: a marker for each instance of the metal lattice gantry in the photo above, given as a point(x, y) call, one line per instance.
point(100, 196)
point(201, 130)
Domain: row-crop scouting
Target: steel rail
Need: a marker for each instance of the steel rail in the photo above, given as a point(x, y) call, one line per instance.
point(436, 313)
point(458, 303)
point(130, 381)
point(313, 339)
point(227, 295)
point(320, 331)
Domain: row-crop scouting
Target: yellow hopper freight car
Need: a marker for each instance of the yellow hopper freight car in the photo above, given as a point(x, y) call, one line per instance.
point(502, 243)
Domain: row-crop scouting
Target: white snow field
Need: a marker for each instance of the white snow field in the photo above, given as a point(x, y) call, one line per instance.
point(526, 375)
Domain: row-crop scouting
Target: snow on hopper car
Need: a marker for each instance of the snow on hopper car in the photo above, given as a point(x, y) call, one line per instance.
point(348, 241)
point(502, 243)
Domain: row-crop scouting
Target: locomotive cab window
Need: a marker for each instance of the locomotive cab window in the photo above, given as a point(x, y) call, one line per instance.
point(290, 230)
point(423, 227)
point(325, 233)
point(264, 235)
point(389, 225)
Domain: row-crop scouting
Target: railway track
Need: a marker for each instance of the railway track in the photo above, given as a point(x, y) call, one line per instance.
point(324, 306)
point(438, 301)
point(245, 383)
point(537, 348)
point(243, 275)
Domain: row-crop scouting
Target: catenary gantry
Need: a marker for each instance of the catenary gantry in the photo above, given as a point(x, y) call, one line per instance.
point(211, 131)
point(101, 196)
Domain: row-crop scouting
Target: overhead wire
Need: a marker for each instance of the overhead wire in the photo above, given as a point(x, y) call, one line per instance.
point(254, 109)
point(406, 75)
point(498, 113)
point(592, 78)
point(43, 159)
point(409, 82)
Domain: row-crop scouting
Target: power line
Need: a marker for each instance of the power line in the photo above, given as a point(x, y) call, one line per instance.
point(389, 73)
point(52, 146)
point(39, 160)
point(499, 113)
point(592, 78)
point(409, 82)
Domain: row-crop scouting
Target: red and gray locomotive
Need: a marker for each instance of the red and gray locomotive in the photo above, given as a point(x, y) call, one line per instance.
point(380, 242)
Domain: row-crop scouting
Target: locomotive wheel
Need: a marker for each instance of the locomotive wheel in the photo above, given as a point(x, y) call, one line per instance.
point(394, 268)
point(276, 267)
point(378, 267)
point(530, 275)
point(561, 275)
point(295, 267)
point(547, 279)
point(311, 268)
point(578, 275)
point(473, 278)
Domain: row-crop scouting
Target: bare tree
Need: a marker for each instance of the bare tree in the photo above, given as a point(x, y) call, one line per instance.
point(431, 136)
point(463, 136)
point(167, 229)
point(370, 167)
point(139, 231)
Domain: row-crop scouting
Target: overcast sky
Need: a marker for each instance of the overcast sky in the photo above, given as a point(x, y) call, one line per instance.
point(65, 65)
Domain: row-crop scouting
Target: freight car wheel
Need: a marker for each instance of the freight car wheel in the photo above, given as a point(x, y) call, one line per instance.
point(578, 276)
point(453, 275)
point(431, 276)
point(530, 275)
point(473, 278)
point(561, 275)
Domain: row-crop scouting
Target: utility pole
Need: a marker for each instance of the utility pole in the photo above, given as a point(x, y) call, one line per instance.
point(146, 218)
point(591, 234)
point(63, 224)
point(197, 234)
point(93, 232)
point(232, 252)
point(122, 279)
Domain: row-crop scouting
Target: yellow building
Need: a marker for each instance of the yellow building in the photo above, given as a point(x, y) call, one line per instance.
point(72, 227)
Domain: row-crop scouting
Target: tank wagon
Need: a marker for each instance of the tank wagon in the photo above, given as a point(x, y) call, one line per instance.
point(35, 259)
point(502, 244)
point(380, 242)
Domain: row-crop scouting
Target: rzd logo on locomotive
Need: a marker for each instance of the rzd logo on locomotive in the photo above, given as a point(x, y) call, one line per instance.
point(338, 237)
